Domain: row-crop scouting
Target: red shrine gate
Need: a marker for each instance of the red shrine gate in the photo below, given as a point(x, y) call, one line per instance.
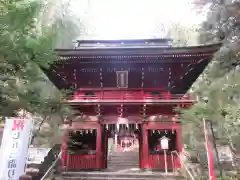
point(125, 93)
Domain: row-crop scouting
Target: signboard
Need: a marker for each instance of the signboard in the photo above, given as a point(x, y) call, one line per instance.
point(164, 142)
point(225, 154)
point(14, 148)
point(37, 155)
point(122, 79)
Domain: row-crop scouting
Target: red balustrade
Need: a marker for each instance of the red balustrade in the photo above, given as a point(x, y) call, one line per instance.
point(158, 162)
point(80, 161)
point(126, 94)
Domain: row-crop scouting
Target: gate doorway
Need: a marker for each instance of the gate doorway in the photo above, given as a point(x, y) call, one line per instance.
point(127, 138)
point(124, 147)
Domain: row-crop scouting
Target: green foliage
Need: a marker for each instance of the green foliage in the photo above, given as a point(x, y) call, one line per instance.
point(222, 107)
point(222, 24)
point(23, 50)
point(27, 45)
point(220, 82)
point(71, 26)
point(182, 35)
point(222, 20)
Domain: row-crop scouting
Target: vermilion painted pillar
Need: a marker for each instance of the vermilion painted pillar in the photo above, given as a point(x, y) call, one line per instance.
point(99, 153)
point(179, 144)
point(145, 147)
point(209, 154)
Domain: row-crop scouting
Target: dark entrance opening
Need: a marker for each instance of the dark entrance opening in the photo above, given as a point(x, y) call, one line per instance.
point(154, 140)
point(82, 141)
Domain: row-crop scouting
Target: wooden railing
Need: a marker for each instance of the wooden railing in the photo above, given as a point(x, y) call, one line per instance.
point(50, 169)
point(127, 94)
point(157, 162)
point(81, 161)
point(182, 164)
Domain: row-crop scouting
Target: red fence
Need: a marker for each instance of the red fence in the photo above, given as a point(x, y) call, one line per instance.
point(127, 94)
point(77, 161)
point(158, 162)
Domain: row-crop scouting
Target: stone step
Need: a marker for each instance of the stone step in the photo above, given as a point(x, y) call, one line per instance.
point(124, 158)
point(123, 161)
point(126, 155)
point(123, 164)
point(127, 161)
point(118, 176)
point(121, 168)
point(126, 152)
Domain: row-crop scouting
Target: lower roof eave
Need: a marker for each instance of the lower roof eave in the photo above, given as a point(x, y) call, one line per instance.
point(129, 102)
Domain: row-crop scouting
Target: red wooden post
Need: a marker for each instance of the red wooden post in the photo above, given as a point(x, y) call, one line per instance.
point(99, 152)
point(145, 147)
point(209, 154)
point(179, 145)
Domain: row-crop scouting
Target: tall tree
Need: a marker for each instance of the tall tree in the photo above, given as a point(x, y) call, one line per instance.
point(181, 35)
point(222, 24)
point(220, 80)
point(27, 47)
point(56, 10)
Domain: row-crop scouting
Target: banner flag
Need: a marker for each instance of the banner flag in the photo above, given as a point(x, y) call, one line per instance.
point(14, 147)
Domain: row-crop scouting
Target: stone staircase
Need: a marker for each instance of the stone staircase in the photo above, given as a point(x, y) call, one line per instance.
point(121, 161)
point(121, 166)
point(137, 175)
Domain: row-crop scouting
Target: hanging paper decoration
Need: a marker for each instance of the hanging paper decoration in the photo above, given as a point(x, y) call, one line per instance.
point(174, 119)
point(117, 127)
point(142, 77)
point(101, 78)
point(143, 110)
point(169, 78)
point(120, 111)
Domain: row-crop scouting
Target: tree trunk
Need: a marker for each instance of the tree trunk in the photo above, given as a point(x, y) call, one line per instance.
point(39, 128)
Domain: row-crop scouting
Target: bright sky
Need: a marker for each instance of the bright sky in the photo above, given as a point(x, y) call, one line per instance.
point(123, 19)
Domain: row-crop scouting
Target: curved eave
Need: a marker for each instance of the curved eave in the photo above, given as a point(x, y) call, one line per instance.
point(130, 102)
point(190, 77)
point(138, 50)
point(198, 56)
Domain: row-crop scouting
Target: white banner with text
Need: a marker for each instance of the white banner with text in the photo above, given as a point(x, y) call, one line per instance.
point(14, 147)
